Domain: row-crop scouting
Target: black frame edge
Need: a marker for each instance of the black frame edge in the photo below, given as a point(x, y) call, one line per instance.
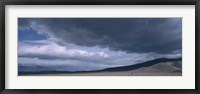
point(2, 47)
point(99, 2)
point(100, 91)
point(197, 45)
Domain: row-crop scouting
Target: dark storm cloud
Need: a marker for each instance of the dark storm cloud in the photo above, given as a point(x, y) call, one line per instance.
point(159, 35)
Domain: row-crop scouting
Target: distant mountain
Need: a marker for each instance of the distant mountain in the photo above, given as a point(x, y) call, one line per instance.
point(160, 63)
point(172, 66)
point(156, 65)
point(42, 69)
point(24, 68)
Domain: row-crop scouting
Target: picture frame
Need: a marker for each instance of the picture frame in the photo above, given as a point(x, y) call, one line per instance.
point(98, 2)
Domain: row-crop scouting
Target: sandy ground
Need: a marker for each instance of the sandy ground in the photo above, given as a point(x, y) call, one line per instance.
point(109, 74)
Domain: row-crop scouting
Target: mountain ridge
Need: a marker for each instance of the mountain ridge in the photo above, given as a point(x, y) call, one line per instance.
point(113, 69)
point(140, 65)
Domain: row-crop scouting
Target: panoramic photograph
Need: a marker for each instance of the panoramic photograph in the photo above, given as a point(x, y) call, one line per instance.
point(99, 46)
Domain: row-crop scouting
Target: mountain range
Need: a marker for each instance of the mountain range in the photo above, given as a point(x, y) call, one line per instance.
point(157, 65)
point(161, 63)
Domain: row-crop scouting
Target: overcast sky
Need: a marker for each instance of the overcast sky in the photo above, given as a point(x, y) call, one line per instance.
point(76, 44)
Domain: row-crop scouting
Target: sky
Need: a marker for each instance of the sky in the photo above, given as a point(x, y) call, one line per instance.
point(84, 44)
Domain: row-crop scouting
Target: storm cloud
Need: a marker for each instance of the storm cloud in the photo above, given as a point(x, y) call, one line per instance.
point(141, 35)
point(76, 44)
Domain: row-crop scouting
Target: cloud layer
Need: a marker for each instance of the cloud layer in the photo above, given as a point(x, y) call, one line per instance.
point(160, 35)
point(73, 44)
